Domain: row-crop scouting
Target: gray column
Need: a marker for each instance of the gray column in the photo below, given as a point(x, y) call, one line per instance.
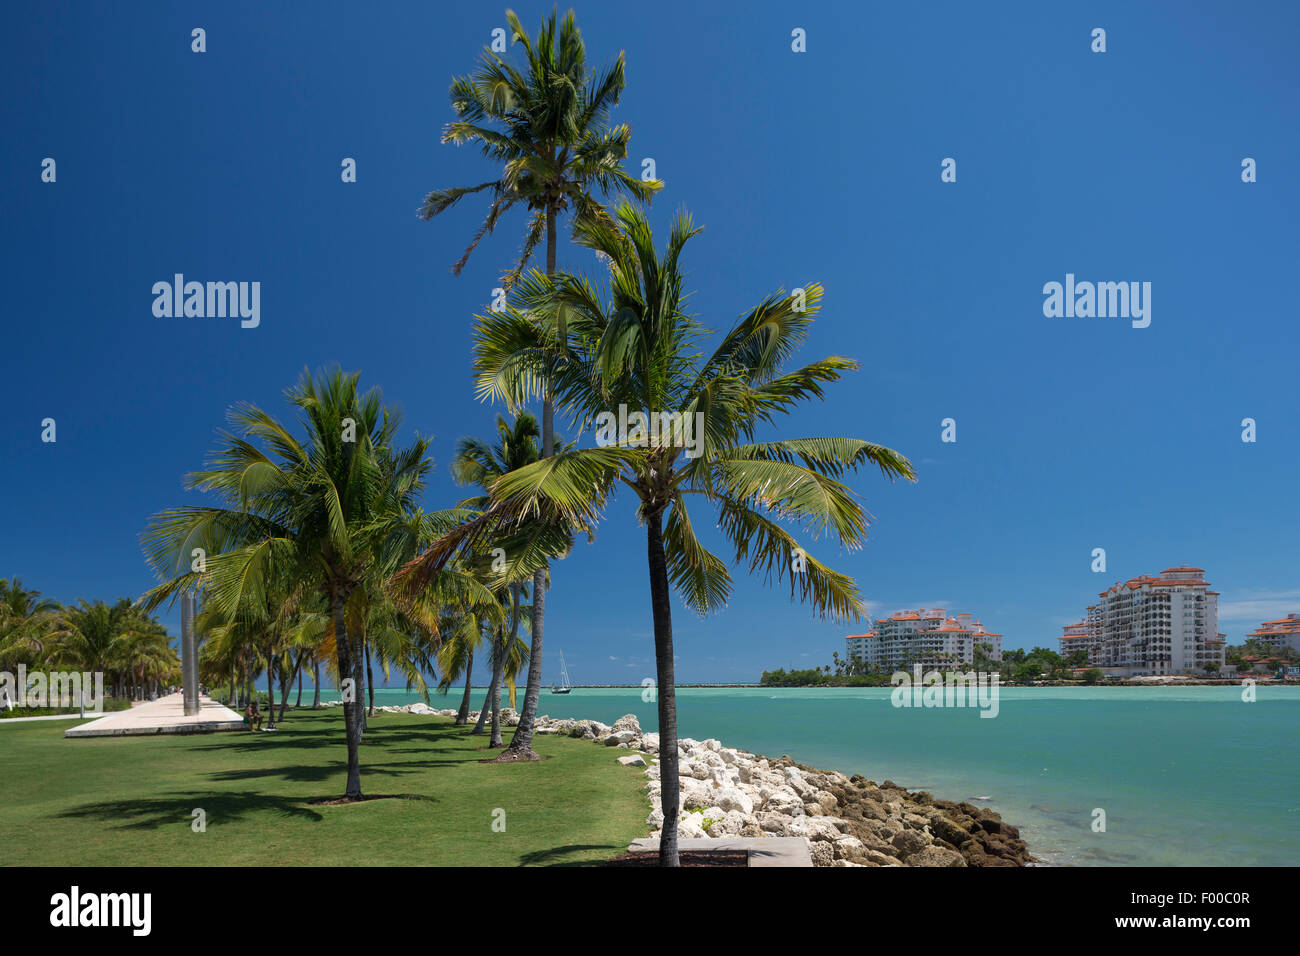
point(189, 656)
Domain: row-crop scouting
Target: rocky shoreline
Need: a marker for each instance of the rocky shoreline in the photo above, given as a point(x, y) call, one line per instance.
point(847, 821)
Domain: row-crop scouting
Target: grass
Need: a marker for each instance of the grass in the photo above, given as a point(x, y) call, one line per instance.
point(129, 801)
point(111, 705)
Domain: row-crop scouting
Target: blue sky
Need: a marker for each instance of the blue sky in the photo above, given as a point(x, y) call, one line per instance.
point(1072, 434)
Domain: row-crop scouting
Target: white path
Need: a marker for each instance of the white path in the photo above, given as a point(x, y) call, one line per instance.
point(24, 720)
point(166, 715)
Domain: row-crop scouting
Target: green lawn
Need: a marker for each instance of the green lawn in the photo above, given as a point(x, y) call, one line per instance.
point(129, 801)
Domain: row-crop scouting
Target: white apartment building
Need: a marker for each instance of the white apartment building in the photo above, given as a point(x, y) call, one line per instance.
point(1077, 637)
point(1151, 625)
point(1284, 632)
point(929, 638)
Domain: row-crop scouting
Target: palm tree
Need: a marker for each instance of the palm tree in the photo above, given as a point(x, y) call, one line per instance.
point(476, 462)
point(639, 350)
point(400, 638)
point(99, 637)
point(26, 622)
point(512, 651)
point(148, 659)
point(462, 636)
point(221, 653)
point(547, 126)
point(318, 511)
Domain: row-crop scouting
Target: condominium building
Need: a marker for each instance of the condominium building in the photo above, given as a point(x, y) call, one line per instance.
point(1151, 625)
point(928, 638)
point(1284, 632)
point(1077, 637)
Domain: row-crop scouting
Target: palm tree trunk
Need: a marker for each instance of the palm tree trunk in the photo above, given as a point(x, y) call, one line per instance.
point(351, 709)
point(359, 682)
point(482, 711)
point(370, 681)
point(462, 717)
point(270, 691)
point(500, 670)
point(496, 704)
point(286, 681)
point(299, 703)
point(315, 703)
point(521, 747)
point(493, 697)
point(661, 604)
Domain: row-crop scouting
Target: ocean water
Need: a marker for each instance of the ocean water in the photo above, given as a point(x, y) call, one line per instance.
point(1185, 776)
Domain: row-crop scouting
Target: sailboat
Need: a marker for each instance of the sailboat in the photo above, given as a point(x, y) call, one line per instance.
point(563, 686)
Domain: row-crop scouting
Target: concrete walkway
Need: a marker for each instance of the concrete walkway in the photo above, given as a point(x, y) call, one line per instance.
point(765, 851)
point(23, 720)
point(166, 715)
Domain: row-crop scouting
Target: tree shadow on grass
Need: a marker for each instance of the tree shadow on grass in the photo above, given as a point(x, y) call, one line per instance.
point(302, 774)
point(177, 808)
point(553, 856)
point(377, 737)
point(395, 736)
point(287, 740)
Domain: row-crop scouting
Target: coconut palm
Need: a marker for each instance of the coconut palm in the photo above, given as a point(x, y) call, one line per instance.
point(511, 556)
point(512, 651)
point(462, 638)
point(319, 511)
point(148, 661)
point(639, 349)
point(96, 636)
point(26, 621)
point(477, 462)
point(546, 124)
point(402, 640)
point(220, 659)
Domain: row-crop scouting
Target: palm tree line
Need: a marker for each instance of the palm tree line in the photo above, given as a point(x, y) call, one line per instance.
point(316, 546)
point(546, 125)
point(129, 647)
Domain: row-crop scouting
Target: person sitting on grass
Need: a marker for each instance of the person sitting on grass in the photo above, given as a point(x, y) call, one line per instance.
point(253, 716)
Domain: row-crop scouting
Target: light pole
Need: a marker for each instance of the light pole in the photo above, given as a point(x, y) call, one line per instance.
point(189, 657)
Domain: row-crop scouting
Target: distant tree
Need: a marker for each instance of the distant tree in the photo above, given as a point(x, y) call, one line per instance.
point(26, 623)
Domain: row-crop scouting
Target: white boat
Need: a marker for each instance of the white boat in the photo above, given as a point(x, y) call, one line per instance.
point(563, 686)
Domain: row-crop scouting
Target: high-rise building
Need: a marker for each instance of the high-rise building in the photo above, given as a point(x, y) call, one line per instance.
point(1077, 637)
point(1151, 625)
point(929, 638)
point(1284, 632)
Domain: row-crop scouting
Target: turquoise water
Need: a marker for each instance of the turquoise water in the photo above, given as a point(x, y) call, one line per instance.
point(1185, 775)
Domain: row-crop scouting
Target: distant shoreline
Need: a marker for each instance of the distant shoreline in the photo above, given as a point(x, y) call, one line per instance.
point(1224, 682)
